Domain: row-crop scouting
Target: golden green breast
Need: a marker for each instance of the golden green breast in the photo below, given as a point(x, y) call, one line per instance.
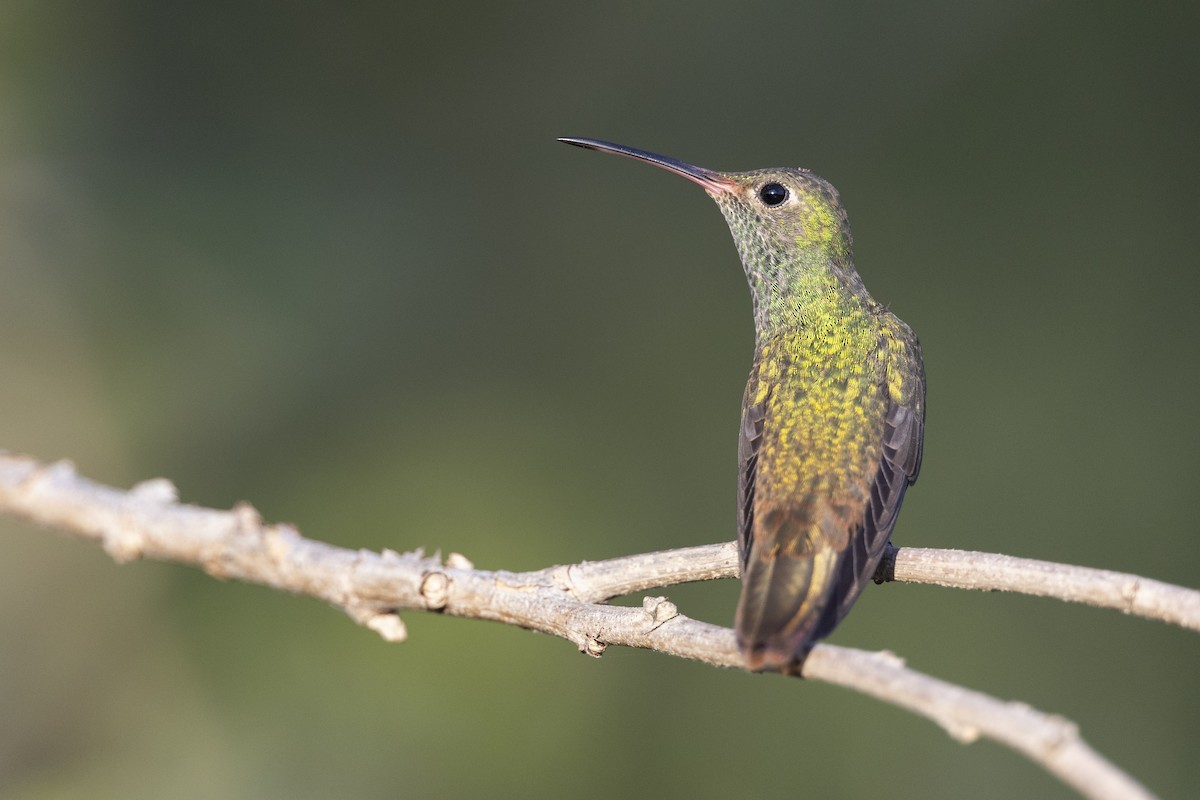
point(824, 412)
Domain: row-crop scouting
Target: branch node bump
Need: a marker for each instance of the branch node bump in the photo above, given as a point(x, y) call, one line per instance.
point(123, 543)
point(60, 471)
point(1129, 594)
point(435, 588)
point(386, 623)
point(660, 609)
point(1057, 730)
point(890, 658)
point(459, 561)
point(959, 731)
point(156, 490)
point(389, 626)
point(564, 578)
point(246, 517)
point(593, 647)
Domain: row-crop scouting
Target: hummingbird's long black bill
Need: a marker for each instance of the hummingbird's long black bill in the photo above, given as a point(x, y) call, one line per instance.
point(709, 180)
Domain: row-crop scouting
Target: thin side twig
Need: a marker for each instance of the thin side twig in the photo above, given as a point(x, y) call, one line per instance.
point(566, 601)
point(990, 572)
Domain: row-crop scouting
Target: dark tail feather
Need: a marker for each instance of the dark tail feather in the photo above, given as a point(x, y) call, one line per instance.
point(783, 602)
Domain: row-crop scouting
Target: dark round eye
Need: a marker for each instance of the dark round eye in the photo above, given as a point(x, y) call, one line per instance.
point(773, 194)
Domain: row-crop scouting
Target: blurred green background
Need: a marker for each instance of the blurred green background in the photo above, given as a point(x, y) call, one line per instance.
point(327, 258)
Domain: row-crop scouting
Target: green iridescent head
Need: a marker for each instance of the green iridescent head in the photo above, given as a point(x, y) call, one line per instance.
point(788, 224)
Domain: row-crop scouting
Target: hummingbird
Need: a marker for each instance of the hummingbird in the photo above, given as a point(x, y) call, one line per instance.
point(833, 416)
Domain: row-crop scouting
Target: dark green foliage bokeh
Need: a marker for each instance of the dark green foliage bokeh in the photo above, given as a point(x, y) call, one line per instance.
point(329, 260)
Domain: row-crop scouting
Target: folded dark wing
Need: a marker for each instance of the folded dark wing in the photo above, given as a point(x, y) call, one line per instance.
point(750, 438)
point(900, 462)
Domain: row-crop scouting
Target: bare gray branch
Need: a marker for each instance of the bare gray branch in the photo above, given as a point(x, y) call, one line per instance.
point(566, 601)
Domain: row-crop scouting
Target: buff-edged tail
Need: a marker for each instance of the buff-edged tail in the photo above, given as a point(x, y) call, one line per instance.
point(781, 613)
